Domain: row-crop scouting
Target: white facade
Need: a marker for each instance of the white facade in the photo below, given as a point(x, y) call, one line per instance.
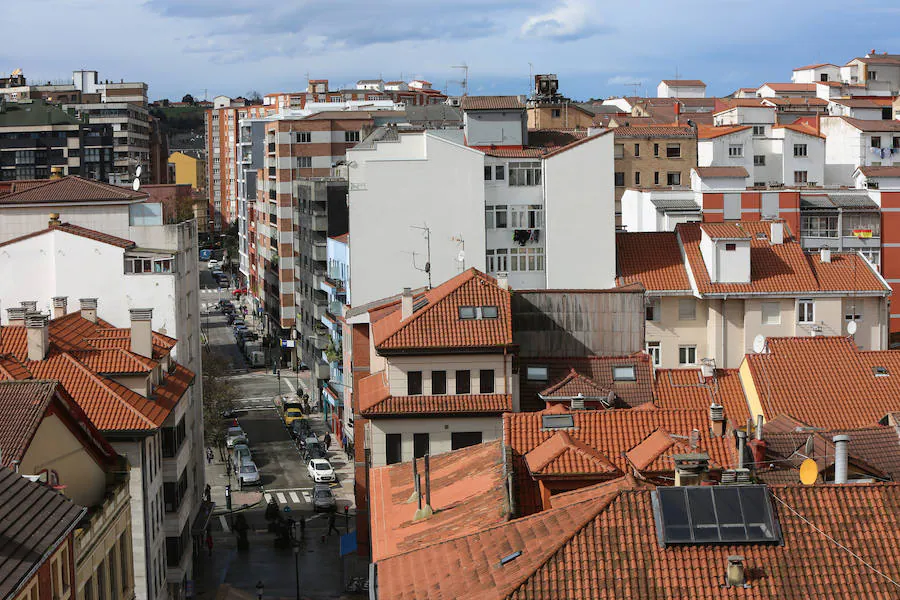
point(659, 210)
point(838, 109)
point(680, 89)
point(816, 73)
point(848, 148)
point(729, 150)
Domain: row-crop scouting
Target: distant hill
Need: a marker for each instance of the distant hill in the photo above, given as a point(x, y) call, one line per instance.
point(182, 124)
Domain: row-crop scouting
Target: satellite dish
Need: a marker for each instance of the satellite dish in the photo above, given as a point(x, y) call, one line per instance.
point(461, 257)
point(851, 327)
point(809, 472)
point(138, 171)
point(759, 343)
point(136, 184)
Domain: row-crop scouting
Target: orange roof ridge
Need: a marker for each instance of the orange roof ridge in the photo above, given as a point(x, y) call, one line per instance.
point(560, 444)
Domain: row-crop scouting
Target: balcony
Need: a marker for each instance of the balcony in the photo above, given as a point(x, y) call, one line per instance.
point(319, 223)
point(319, 251)
point(271, 147)
point(322, 370)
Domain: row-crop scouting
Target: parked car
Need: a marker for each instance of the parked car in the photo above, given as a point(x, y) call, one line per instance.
point(240, 454)
point(212, 264)
point(234, 434)
point(313, 450)
point(320, 471)
point(248, 474)
point(239, 291)
point(323, 499)
point(224, 284)
point(239, 330)
point(238, 321)
point(300, 429)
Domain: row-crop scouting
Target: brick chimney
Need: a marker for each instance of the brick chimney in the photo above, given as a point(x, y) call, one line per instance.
point(406, 304)
point(89, 309)
point(59, 306)
point(691, 469)
point(38, 335)
point(141, 332)
point(16, 316)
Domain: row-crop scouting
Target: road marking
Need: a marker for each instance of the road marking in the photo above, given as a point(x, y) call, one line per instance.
point(268, 498)
point(294, 497)
point(224, 523)
point(307, 496)
point(281, 498)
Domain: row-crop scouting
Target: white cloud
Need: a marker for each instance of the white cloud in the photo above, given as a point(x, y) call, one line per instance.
point(625, 80)
point(570, 20)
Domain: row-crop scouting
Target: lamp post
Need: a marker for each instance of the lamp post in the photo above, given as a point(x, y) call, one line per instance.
point(297, 567)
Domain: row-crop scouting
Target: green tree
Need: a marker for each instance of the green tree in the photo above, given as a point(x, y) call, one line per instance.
point(218, 398)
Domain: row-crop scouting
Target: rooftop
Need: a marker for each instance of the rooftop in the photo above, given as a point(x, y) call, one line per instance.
point(683, 83)
point(491, 103)
point(708, 132)
point(71, 188)
point(687, 388)
point(865, 125)
point(660, 270)
point(880, 171)
point(654, 131)
point(78, 231)
point(36, 113)
point(712, 172)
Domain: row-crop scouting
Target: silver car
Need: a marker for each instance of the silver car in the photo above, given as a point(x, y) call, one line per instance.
point(240, 454)
point(323, 499)
point(248, 474)
point(233, 435)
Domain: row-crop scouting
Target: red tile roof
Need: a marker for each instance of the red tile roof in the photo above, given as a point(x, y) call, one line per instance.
point(865, 125)
point(79, 231)
point(23, 405)
point(686, 388)
point(468, 492)
point(437, 323)
point(652, 260)
point(71, 189)
point(724, 231)
point(562, 455)
point(683, 82)
point(574, 384)
point(655, 454)
point(818, 381)
point(790, 87)
point(804, 128)
point(654, 131)
point(880, 171)
point(721, 171)
point(857, 102)
point(796, 102)
point(491, 103)
point(708, 132)
point(440, 405)
point(816, 66)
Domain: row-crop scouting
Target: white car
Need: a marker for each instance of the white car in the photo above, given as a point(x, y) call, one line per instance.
point(320, 470)
point(248, 474)
point(233, 435)
point(213, 263)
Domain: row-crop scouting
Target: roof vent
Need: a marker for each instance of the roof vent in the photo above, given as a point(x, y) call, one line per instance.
point(578, 402)
point(825, 255)
point(734, 574)
point(510, 557)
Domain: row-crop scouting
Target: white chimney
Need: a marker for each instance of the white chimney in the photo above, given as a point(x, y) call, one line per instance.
point(141, 332)
point(503, 281)
point(89, 309)
point(38, 335)
point(776, 232)
point(29, 305)
point(406, 304)
point(841, 444)
point(59, 306)
point(734, 575)
point(825, 255)
point(16, 316)
point(717, 418)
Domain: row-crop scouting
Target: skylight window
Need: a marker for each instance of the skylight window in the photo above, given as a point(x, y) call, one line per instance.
point(880, 371)
point(623, 373)
point(489, 312)
point(466, 312)
point(738, 514)
point(558, 421)
point(536, 374)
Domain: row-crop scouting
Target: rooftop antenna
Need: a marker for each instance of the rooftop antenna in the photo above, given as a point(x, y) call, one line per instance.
point(634, 88)
point(426, 231)
point(530, 87)
point(461, 256)
point(465, 80)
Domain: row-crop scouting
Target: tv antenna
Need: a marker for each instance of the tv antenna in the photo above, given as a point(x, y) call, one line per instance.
point(465, 80)
point(635, 87)
point(426, 232)
point(461, 256)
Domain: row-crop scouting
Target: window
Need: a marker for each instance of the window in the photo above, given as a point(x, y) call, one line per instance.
point(687, 309)
point(823, 77)
point(101, 581)
point(536, 373)
point(813, 226)
point(851, 313)
point(655, 353)
point(499, 173)
point(463, 382)
point(439, 383)
point(759, 130)
point(524, 173)
point(800, 150)
point(875, 141)
point(526, 259)
point(687, 355)
point(735, 151)
point(466, 312)
point(351, 136)
point(730, 247)
point(111, 561)
point(651, 310)
point(393, 448)
point(852, 224)
point(624, 373)
point(619, 179)
point(89, 589)
point(304, 162)
point(489, 312)
point(487, 173)
point(771, 313)
point(421, 444)
point(805, 311)
point(526, 217)
point(414, 383)
point(495, 217)
point(656, 177)
point(464, 439)
point(557, 421)
point(555, 113)
point(637, 178)
point(637, 150)
point(673, 178)
point(497, 260)
point(800, 176)
point(486, 381)
point(54, 579)
point(895, 141)
point(303, 137)
point(759, 160)
point(673, 150)
point(619, 151)
point(873, 75)
point(123, 559)
point(655, 149)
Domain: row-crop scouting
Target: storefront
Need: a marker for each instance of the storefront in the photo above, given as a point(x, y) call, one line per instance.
point(333, 404)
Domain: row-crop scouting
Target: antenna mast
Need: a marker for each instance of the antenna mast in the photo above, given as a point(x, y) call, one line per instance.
point(426, 231)
point(634, 88)
point(465, 80)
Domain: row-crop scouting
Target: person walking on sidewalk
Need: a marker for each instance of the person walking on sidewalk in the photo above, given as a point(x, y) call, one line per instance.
point(209, 455)
point(327, 441)
point(331, 520)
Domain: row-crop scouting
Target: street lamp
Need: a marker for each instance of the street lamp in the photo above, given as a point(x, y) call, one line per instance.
point(259, 590)
point(297, 567)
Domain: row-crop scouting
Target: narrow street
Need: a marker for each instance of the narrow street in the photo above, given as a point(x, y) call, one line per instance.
point(283, 478)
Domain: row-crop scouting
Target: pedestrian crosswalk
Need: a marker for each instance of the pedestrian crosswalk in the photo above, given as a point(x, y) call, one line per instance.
point(253, 403)
point(288, 497)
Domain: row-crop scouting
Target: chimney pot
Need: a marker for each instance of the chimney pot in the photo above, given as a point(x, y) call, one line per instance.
point(29, 305)
point(691, 469)
point(717, 417)
point(16, 316)
point(54, 217)
point(734, 575)
point(841, 443)
point(60, 304)
point(141, 331)
point(776, 233)
point(406, 304)
point(503, 281)
point(37, 335)
point(89, 309)
point(742, 443)
point(825, 255)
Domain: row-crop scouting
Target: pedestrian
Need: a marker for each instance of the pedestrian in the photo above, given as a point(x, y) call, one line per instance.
point(207, 493)
point(327, 441)
point(209, 542)
point(302, 527)
point(209, 455)
point(331, 520)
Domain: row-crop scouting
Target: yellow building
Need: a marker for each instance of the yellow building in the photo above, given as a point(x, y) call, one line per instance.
point(189, 170)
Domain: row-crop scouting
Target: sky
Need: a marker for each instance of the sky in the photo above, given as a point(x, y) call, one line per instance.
point(596, 47)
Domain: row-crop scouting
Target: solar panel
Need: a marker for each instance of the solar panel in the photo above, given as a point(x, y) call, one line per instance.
point(733, 514)
point(557, 421)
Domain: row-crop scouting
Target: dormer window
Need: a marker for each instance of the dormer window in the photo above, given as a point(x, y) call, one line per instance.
point(730, 247)
point(880, 371)
point(489, 312)
point(466, 312)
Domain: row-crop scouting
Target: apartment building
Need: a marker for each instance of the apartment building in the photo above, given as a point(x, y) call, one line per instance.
point(53, 442)
point(38, 140)
point(548, 109)
point(221, 142)
point(483, 196)
point(189, 169)
point(138, 397)
point(336, 393)
point(365, 92)
point(681, 88)
point(713, 289)
point(854, 143)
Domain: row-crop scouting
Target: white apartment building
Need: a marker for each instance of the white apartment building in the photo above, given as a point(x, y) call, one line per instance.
point(853, 143)
point(816, 73)
point(480, 197)
point(681, 88)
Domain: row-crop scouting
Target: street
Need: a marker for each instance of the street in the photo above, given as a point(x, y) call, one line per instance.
point(283, 478)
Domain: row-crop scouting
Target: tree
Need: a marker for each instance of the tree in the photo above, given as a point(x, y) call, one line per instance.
point(189, 99)
point(253, 97)
point(218, 399)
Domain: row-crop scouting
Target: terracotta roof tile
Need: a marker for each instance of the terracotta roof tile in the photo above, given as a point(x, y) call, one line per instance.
point(708, 132)
point(802, 127)
point(491, 103)
point(437, 324)
point(655, 454)
point(468, 492)
point(440, 405)
point(721, 172)
point(880, 171)
point(725, 231)
point(654, 131)
point(686, 388)
point(815, 66)
point(790, 87)
point(862, 124)
point(813, 378)
point(652, 260)
point(71, 189)
point(778, 102)
point(23, 405)
point(574, 384)
point(79, 231)
point(683, 82)
point(562, 455)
